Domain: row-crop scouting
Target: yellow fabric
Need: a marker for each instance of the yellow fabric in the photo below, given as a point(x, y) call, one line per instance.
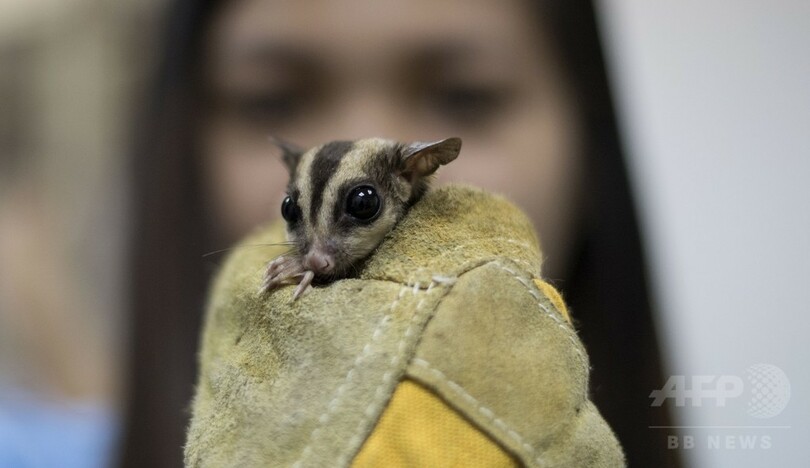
point(419, 429)
point(555, 298)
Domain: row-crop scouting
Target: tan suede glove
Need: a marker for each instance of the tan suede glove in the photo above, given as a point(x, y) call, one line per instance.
point(445, 350)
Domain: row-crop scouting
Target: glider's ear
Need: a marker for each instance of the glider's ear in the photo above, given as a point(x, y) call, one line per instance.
point(420, 159)
point(290, 153)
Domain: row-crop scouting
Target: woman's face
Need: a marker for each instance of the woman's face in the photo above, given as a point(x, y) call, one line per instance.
point(319, 70)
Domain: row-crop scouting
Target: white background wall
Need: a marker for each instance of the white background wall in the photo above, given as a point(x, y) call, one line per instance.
point(714, 102)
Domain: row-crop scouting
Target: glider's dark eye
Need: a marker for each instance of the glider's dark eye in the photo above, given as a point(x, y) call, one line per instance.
point(290, 210)
point(363, 203)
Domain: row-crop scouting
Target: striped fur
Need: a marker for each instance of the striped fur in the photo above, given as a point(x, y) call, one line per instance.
point(329, 241)
point(323, 178)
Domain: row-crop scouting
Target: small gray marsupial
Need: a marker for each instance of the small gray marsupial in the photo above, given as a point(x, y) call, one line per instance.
point(343, 198)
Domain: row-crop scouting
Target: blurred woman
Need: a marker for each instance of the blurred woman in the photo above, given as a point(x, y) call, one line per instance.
point(521, 82)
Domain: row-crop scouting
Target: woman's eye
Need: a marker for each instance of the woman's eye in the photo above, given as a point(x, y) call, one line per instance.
point(268, 108)
point(468, 105)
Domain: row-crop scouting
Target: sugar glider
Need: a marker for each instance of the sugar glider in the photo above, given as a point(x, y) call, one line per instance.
point(343, 197)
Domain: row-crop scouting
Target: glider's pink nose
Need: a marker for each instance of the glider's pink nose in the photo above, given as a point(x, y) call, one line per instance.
point(319, 262)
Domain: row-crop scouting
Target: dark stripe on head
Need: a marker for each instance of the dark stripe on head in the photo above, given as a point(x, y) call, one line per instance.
point(324, 166)
point(384, 167)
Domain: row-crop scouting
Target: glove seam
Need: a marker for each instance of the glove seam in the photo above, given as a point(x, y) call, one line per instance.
point(396, 366)
point(481, 408)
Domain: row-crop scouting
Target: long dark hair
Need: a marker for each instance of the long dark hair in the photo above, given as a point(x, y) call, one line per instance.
point(170, 234)
point(606, 289)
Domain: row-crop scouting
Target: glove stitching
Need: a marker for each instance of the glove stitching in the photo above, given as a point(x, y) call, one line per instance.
point(334, 403)
point(379, 394)
point(483, 410)
point(531, 289)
